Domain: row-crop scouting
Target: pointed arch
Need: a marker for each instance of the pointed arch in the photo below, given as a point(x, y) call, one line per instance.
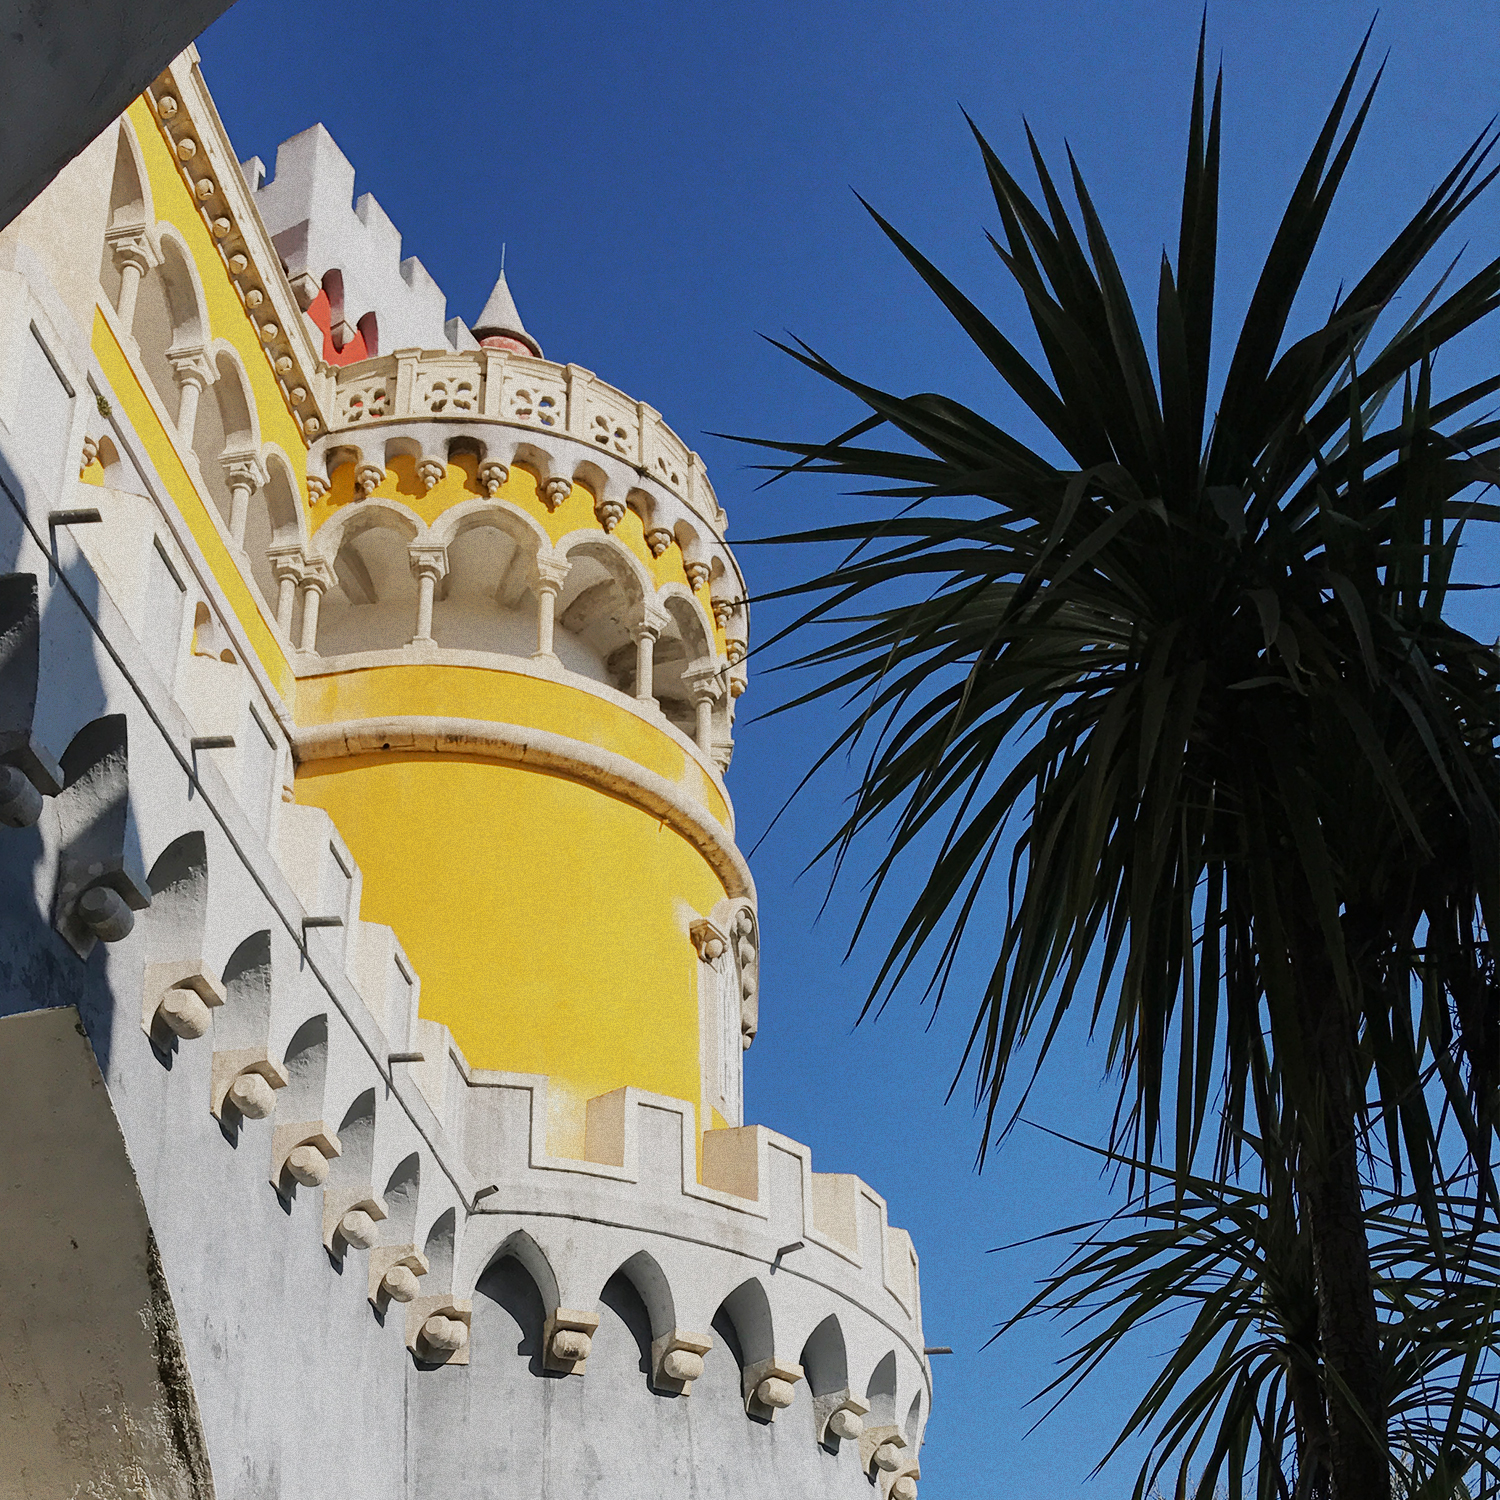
point(881, 1393)
point(824, 1358)
point(306, 1065)
point(650, 1282)
point(748, 1311)
point(913, 1428)
point(439, 1248)
point(402, 1189)
point(356, 1133)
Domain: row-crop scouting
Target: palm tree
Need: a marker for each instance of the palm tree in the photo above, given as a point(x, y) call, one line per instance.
point(1182, 703)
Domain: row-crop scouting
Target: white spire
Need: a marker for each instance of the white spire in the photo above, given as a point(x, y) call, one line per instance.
point(501, 318)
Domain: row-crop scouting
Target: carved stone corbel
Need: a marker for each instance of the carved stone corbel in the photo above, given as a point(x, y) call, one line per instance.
point(437, 1329)
point(394, 1270)
point(245, 1079)
point(880, 1450)
point(350, 1215)
point(554, 490)
point(768, 1387)
point(567, 1338)
point(492, 476)
point(839, 1416)
point(677, 1361)
point(300, 1153)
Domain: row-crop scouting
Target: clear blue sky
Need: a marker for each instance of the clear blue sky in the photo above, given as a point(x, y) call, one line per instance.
point(673, 179)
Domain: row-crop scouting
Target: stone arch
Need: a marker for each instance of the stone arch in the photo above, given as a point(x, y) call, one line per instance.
point(274, 519)
point(439, 1248)
point(373, 601)
point(171, 321)
point(744, 1322)
point(510, 1300)
point(127, 231)
point(487, 599)
point(305, 1063)
point(881, 1393)
point(521, 1247)
point(226, 427)
point(242, 1031)
point(356, 1132)
point(824, 1358)
point(652, 1287)
point(402, 1190)
point(179, 899)
point(913, 1428)
point(601, 604)
point(685, 645)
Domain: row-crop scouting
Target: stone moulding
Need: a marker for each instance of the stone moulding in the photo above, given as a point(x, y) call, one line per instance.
point(544, 750)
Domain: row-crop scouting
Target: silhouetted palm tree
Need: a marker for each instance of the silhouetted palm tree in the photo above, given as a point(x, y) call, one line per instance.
point(1183, 697)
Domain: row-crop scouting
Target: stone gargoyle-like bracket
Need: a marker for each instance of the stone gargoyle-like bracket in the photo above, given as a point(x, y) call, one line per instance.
point(677, 1361)
point(394, 1273)
point(768, 1387)
point(100, 885)
point(179, 993)
point(245, 1079)
point(20, 672)
point(300, 1154)
point(839, 1417)
point(437, 1329)
point(350, 1215)
point(567, 1338)
point(880, 1451)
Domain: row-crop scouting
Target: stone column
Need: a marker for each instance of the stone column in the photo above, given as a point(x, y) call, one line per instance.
point(430, 564)
point(245, 475)
point(646, 633)
point(132, 253)
point(194, 375)
point(286, 569)
point(315, 580)
point(702, 681)
point(551, 574)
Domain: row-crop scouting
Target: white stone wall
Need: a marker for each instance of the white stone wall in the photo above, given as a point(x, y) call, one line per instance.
point(242, 911)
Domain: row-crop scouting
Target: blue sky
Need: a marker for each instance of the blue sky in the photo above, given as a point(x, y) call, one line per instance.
point(674, 180)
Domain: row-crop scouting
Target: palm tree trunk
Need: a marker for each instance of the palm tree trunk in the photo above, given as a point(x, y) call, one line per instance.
point(1348, 1327)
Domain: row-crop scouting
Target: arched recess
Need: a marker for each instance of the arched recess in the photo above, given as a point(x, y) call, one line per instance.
point(601, 604)
point(130, 219)
point(306, 1066)
point(744, 1322)
point(171, 318)
point(685, 643)
point(881, 1393)
point(824, 1359)
point(401, 1191)
point(487, 601)
point(356, 1132)
point(225, 428)
point(372, 605)
point(439, 1250)
point(913, 1429)
point(515, 1294)
point(274, 519)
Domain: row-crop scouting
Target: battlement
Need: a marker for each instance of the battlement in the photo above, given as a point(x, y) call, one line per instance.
point(319, 227)
point(278, 1036)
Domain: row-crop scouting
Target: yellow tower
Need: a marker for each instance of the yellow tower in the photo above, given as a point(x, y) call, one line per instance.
point(521, 636)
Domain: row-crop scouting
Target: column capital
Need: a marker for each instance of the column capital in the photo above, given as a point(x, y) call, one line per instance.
point(704, 680)
point(244, 469)
point(654, 619)
point(430, 558)
point(191, 366)
point(551, 573)
point(131, 247)
point(318, 574)
point(286, 562)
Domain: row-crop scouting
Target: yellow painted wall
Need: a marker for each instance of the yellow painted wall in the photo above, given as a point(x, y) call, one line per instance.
point(548, 920)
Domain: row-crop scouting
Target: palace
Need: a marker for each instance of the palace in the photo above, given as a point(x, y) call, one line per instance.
point(377, 962)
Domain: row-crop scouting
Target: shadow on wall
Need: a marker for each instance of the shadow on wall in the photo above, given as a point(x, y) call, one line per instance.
point(45, 639)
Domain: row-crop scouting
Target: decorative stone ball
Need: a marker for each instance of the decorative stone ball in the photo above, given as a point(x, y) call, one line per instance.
point(104, 911)
point(187, 149)
point(682, 1364)
point(205, 188)
point(774, 1393)
point(905, 1488)
point(252, 1095)
point(223, 227)
point(888, 1457)
point(399, 1284)
point(184, 1012)
point(447, 1335)
point(307, 1165)
point(20, 802)
point(846, 1424)
point(713, 948)
point(254, 297)
point(571, 1344)
point(358, 1229)
point(239, 263)
point(166, 106)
